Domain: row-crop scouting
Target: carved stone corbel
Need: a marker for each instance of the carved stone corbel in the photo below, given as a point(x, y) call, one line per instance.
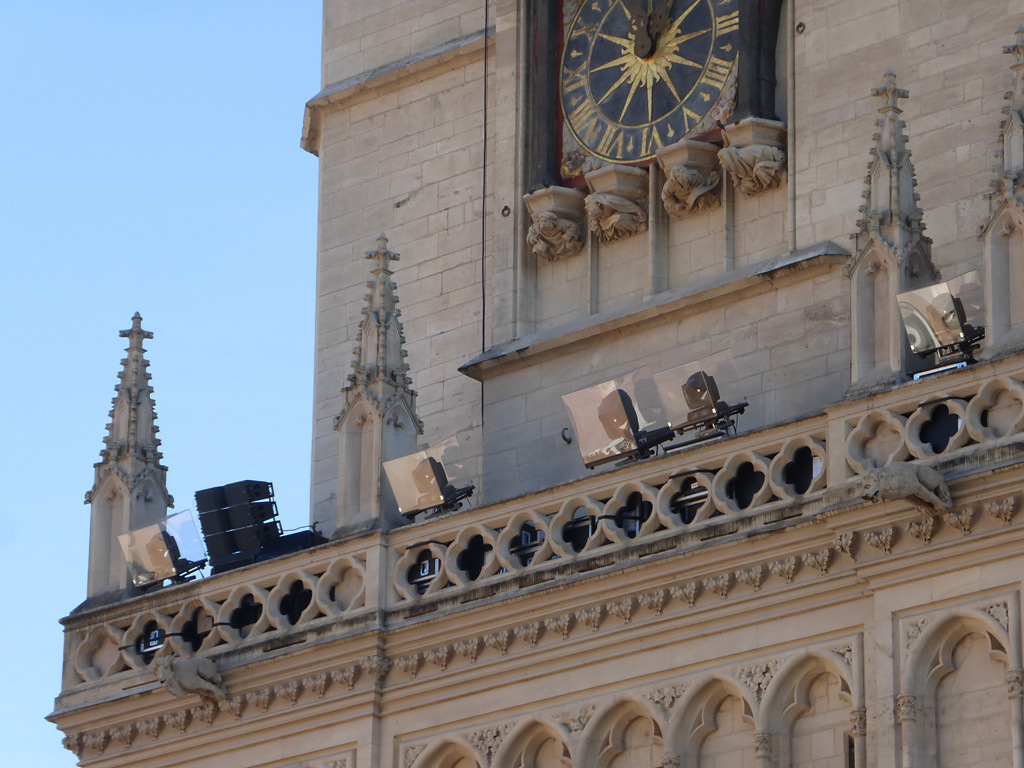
point(617, 203)
point(558, 215)
point(691, 177)
point(754, 154)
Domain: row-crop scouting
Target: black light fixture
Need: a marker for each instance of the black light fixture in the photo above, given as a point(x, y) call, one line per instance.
point(942, 325)
point(425, 481)
point(169, 549)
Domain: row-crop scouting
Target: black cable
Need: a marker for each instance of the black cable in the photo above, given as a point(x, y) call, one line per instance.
point(483, 202)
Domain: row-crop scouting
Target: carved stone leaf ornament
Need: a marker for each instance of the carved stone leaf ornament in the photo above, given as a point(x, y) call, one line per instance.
point(591, 617)
point(180, 720)
point(559, 624)
point(468, 649)
point(819, 560)
point(97, 742)
point(346, 675)
point(962, 520)
point(687, 592)
point(528, 633)
point(377, 665)
point(260, 698)
point(289, 691)
point(623, 609)
point(719, 585)
point(845, 542)
point(1001, 613)
point(914, 630)
point(653, 601)
point(922, 530)
point(751, 577)
point(204, 712)
point(498, 641)
point(881, 540)
point(488, 740)
point(151, 727)
point(758, 677)
point(577, 721)
point(410, 753)
point(846, 651)
point(73, 742)
point(1002, 510)
point(666, 697)
point(125, 734)
point(410, 665)
point(440, 657)
point(784, 569)
point(234, 705)
point(317, 684)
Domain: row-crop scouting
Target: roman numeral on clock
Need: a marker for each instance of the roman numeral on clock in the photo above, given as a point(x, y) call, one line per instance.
point(718, 71)
point(585, 120)
point(730, 22)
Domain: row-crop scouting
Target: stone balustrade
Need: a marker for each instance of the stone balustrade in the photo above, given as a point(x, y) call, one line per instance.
point(686, 500)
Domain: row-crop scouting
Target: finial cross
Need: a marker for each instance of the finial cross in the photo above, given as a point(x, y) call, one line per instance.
point(382, 255)
point(135, 334)
point(891, 93)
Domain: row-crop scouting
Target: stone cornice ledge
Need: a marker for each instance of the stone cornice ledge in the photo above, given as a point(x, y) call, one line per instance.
point(501, 356)
point(336, 94)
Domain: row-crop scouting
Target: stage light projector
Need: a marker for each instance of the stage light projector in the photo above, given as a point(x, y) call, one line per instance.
point(629, 418)
point(170, 549)
point(942, 323)
point(426, 480)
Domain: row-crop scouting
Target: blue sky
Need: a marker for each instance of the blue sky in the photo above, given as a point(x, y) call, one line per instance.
point(149, 161)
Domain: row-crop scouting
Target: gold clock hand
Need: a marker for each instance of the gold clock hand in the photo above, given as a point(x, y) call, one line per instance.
point(659, 18)
point(638, 23)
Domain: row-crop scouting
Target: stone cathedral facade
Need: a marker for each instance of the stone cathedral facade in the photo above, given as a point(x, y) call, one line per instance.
point(578, 190)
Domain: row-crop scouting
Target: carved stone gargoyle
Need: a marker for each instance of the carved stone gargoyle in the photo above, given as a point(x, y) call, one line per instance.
point(923, 486)
point(691, 177)
point(183, 677)
point(558, 220)
point(754, 154)
point(617, 203)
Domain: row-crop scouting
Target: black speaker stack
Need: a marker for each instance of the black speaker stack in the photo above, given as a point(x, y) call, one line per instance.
point(239, 521)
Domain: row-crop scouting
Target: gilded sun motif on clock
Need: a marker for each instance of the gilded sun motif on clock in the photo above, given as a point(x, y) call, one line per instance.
point(637, 75)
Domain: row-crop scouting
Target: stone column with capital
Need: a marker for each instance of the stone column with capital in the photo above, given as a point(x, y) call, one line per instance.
point(763, 749)
point(906, 714)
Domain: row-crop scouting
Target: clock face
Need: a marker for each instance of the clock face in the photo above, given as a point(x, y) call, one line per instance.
point(637, 75)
